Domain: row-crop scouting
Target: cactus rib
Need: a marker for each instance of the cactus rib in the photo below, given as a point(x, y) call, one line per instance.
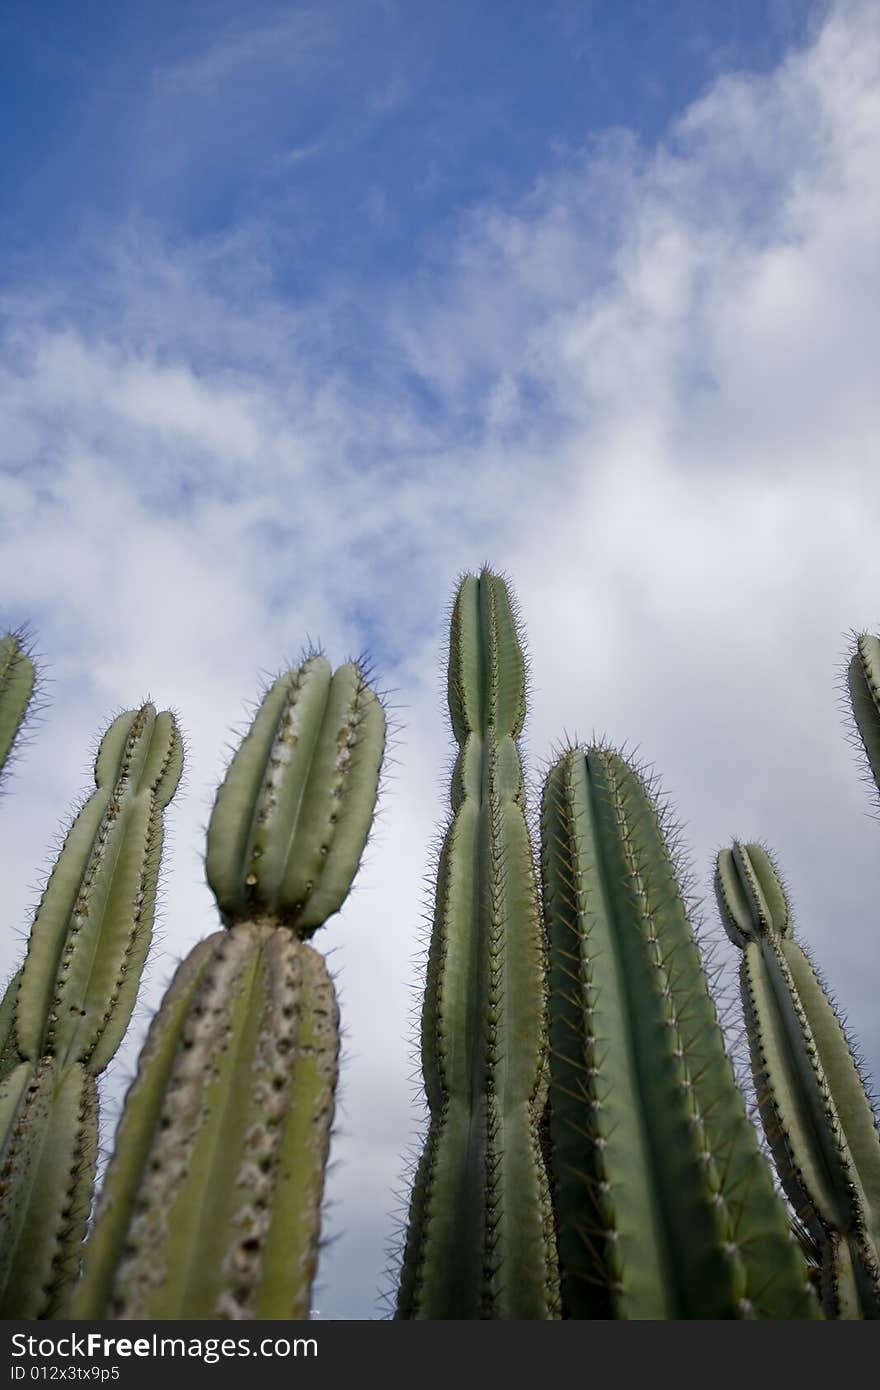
point(664, 1204)
point(480, 1241)
point(817, 1117)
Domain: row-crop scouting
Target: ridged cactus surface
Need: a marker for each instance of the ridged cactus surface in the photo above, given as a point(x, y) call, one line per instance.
point(665, 1206)
point(480, 1240)
point(211, 1206)
point(69, 1006)
point(817, 1117)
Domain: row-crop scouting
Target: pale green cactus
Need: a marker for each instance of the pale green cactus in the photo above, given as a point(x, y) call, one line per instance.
point(211, 1206)
point(816, 1114)
point(18, 680)
point(69, 1006)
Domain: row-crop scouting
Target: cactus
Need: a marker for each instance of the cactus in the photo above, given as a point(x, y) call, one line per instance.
point(68, 1008)
point(665, 1206)
point(480, 1239)
point(817, 1117)
point(17, 687)
point(211, 1205)
point(863, 680)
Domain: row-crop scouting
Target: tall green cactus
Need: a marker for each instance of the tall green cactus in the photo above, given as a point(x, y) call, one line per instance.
point(18, 678)
point(817, 1117)
point(665, 1206)
point(480, 1240)
point(68, 1008)
point(211, 1205)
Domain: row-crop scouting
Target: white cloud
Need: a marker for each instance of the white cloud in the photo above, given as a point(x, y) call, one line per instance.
point(655, 407)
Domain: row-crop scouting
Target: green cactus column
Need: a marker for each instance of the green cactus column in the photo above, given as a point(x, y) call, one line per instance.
point(480, 1240)
point(211, 1205)
point(69, 1006)
point(665, 1207)
point(17, 685)
point(817, 1117)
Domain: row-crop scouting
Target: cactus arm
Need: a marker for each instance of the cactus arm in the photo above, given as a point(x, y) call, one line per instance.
point(819, 1122)
point(863, 679)
point(292, 817)
point(93, 926)
point(665, 1207)
point(17, 685)
point(480, 1232)
point(70, 1005)
point(46, 1176)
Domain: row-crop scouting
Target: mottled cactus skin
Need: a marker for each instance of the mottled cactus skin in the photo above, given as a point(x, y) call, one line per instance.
point(863, 681)
point(67, 1009)
point(817, 1117)
point(18, 678)
point(480, 1239)
point(665, 1207)
point(211, 1205)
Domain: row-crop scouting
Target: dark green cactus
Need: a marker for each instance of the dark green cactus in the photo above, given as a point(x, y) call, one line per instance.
point(17, 687)
point(817, 1117)
point(480, 1240)
point(211, 1206)
point(665, 1206)
point(69, 1006)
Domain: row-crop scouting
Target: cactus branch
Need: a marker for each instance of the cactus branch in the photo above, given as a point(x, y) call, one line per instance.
point(817, 1117)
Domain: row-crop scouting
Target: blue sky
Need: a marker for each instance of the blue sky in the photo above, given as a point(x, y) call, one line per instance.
point(304, 311)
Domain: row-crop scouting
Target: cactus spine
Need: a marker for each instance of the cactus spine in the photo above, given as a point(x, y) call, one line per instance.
point(480, 1240)
point(665, 1206)
point(17, 685)
point(70, 1004)
point(818, 1120)
point(211, 1206)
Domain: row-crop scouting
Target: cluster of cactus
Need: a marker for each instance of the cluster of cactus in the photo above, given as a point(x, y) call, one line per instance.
point(588, 1152)
point(662, 1203)
point(211, 1203)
